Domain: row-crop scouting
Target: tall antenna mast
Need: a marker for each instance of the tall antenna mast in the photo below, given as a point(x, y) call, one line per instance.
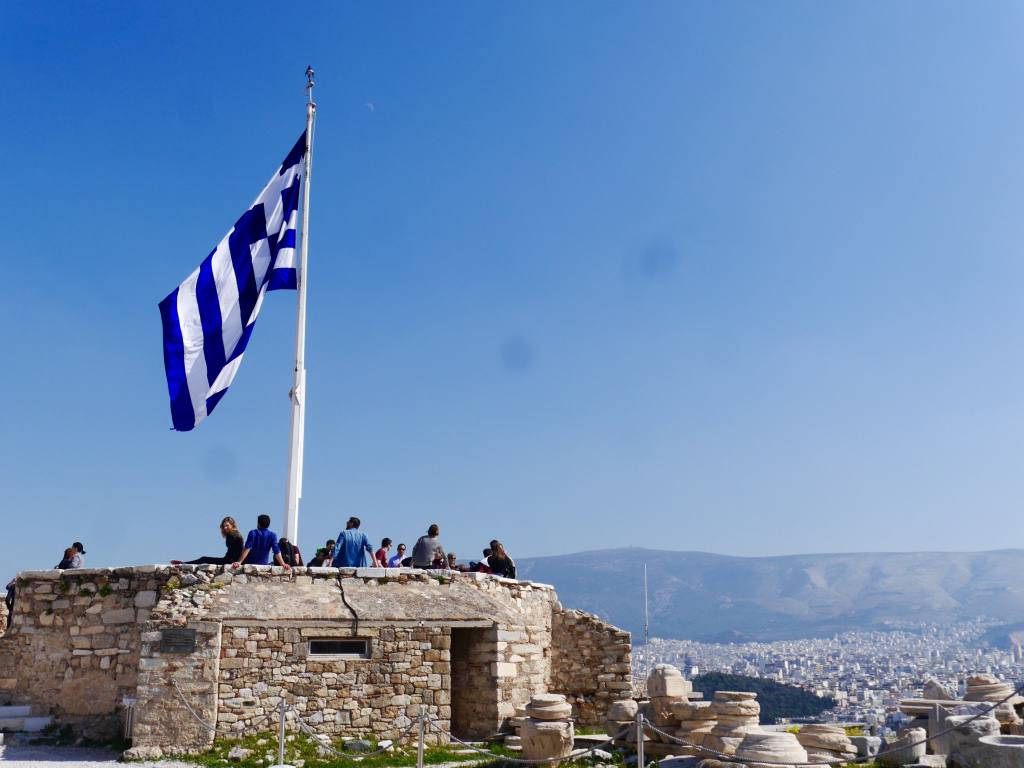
point(647, 629)
point(298, 393)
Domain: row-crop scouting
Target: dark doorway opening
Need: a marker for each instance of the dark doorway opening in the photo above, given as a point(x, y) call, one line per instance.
point(474, 694)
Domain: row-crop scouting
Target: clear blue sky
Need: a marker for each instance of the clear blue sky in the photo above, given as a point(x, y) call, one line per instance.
point(735, 276)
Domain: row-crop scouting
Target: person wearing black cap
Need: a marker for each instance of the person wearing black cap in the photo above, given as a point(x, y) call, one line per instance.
point(78, 561)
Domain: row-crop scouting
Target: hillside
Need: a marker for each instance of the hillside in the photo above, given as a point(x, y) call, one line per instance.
point(702, 596)
point(776, 699)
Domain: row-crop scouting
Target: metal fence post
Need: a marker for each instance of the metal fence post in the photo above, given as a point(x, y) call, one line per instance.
point(422, 729)
point(280, 737)
point(640, 740)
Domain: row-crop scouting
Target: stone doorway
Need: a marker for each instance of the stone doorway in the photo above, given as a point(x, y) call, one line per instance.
point(474, 694)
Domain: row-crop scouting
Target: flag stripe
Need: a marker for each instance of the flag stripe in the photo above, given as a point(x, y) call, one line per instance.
point(192, 340)
point(209, 314)
point(174, 362)
point(208, 319)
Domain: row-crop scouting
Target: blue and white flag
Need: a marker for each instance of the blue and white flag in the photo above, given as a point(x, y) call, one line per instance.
point(208, 318)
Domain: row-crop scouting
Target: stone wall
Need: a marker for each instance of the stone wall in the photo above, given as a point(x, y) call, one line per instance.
point(407, 668)
point(74, 643)
point(590, 663)
point(207, 646)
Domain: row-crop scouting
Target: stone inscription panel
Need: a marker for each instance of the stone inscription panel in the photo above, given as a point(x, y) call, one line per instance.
point(178, 640)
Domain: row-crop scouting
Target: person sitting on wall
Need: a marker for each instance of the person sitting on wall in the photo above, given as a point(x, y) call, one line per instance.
point(259, 544)
point(68, 560)
point(323, 556)
point(428, 548)
point(233, 540)
point(352, 546)
point(290, 553)
point(380, 558)
point(481, 566)
point(499, 562)
point(318, 559)
point(396, 560)
point(78, 560)
point(455, 566)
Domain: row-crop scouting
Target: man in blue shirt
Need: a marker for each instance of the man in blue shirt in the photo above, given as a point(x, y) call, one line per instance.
point(350, 546)
point(259, 544)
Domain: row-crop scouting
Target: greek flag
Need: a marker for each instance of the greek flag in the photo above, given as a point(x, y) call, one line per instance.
point(208, 318)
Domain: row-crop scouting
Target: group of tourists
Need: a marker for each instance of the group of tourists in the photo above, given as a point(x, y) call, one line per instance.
point(351, 549)
point(73, 557)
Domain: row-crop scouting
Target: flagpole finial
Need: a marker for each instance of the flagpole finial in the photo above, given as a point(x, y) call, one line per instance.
point(310, 83)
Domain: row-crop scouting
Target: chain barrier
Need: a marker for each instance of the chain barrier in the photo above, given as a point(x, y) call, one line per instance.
point(642, 725)
point(723, 757)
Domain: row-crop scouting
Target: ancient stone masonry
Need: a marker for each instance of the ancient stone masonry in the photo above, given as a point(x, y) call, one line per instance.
point(74, 643)
point(591, 659)
point(352, 652)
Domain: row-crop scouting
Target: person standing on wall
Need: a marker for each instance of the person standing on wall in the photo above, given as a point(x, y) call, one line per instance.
point(352, 546)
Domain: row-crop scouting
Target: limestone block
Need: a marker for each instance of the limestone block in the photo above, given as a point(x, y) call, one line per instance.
point(661, 710)
point(902, 752)
point(1001, 751)
point(831, 738)
point(543, 739)
point(666, 680)
point(549, 706)
point(119, 616)
point(737, 708)
point(693, 710)
point(986, 688)
point(735, 696)
point(936, 691)
point(965, 738)
point(727, 745)
point(622, 710)
point(866, 746)
point(774, 747)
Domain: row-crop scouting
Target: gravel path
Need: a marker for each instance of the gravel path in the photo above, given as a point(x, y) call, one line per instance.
point(70, 757)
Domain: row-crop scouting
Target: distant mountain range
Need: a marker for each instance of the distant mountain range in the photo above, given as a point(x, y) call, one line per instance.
point(717, 598)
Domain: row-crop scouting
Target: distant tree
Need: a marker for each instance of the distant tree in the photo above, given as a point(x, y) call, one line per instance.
point(776, 699)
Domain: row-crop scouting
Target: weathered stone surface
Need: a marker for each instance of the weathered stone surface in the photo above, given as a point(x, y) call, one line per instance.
point(1001, 751)
point(829, 738)
point(622, 710)
point(143, 753)
point(774, 747)
point(933, 689)
point(734, 696)
point(666, 680)
point(866, 746)
point(693, 710)
point(906, 750)
point(986, 688)
point(548, 706)
point(964, 740)
point(544, 739)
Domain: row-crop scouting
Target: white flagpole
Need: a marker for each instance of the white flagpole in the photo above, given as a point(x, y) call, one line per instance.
point(298, 393)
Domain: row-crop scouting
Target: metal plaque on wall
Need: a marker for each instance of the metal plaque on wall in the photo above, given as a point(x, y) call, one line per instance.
point(177, 640)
